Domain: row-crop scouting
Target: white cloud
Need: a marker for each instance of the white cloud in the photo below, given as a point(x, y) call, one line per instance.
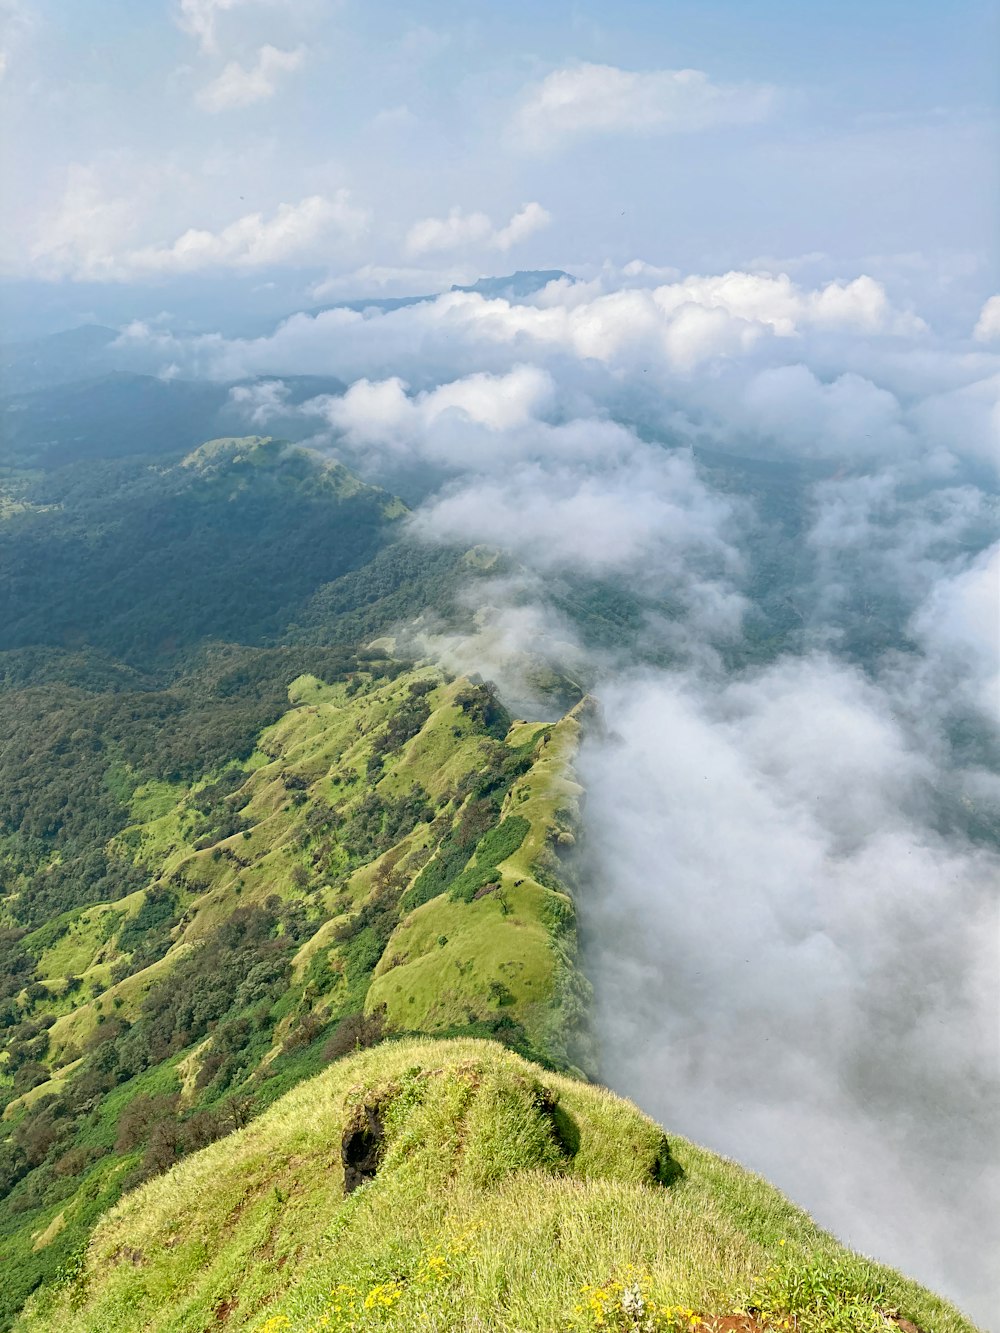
point(87, 236)
point(958, 626)
point(531, 218)
point(200, 18)
point(449, 233)
point(988, 325)
point(460, 230)
point(296, 233)
point(601, 99)
point(260, 403)
point(237, 86)
point(849, 417)
point(382, 414)
point(82, 236)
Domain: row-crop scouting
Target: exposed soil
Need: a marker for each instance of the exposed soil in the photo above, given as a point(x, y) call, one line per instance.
point(361, 1148)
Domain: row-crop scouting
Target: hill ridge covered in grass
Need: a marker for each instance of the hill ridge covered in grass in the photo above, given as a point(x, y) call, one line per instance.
point(453, 1185)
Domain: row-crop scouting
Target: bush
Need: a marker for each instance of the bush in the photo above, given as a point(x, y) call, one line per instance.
point(356, 1032)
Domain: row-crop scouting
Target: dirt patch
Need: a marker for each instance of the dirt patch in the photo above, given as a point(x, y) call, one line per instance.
point(134, 1257)
point(361, 1148)
point(224, 1309)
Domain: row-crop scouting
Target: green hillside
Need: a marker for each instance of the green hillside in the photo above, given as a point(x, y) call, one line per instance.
point(484, 1193)
point(385, 860)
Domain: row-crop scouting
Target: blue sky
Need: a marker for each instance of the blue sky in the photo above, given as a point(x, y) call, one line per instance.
point(826, 139)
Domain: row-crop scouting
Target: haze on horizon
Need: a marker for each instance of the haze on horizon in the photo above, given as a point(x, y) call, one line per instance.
point(778, 224)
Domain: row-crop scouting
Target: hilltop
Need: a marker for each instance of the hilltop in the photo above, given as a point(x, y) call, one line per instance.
point(455, 1186)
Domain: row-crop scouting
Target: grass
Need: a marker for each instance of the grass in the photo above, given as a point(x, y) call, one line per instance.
point(507, 1198)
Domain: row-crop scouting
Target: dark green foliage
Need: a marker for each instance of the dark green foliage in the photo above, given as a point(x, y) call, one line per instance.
point(17, 967)
point(481, 703)
point(401, 580)
point(493, 848)
point(404, 724)
point(146, 936)
point(378, 823)
point(112, 417)
point(114, 608)
point(485, 790)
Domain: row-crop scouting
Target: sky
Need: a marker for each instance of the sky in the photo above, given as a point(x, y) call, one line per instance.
point(781, 224)
point(288, 151)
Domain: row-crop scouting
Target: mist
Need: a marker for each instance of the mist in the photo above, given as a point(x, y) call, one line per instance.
point(791, 964)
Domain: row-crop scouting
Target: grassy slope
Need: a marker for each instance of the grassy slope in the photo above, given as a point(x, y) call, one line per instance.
point(313, 760)
point(507, 1198)
point(324, 741)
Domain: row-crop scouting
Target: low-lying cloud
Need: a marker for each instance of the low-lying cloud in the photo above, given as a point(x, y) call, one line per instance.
point(791, 963)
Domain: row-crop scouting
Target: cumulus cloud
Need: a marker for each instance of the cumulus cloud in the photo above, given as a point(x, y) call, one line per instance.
point(669, 330)
point(601, 99)
point(237, 86)
point(524, 223)
point(88, 228)
point(460, 230)
point(647, 514)
point(296, 232)
point(988, 324)
point(383, 414)
point(87, 236)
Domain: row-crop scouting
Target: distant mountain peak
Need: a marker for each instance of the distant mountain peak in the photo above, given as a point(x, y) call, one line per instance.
point(525, 282)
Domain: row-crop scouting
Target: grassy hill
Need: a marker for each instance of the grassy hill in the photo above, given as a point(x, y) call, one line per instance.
point(386, 860)
point(455, 1186)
